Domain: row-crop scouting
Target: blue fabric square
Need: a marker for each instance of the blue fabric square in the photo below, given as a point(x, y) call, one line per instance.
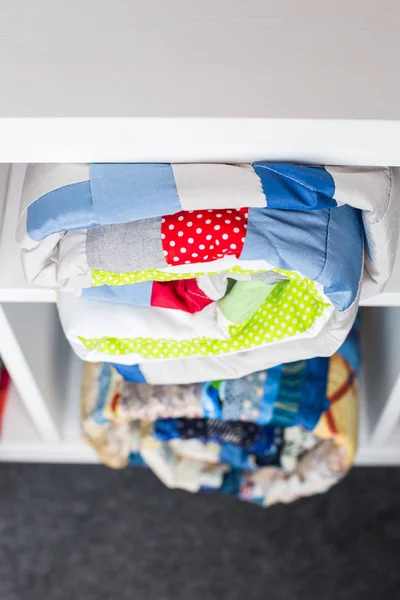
point(66, 208)
point(344, 257)
point(137, 294)
point(124, 192)
point(288, 239)
point(296, 187)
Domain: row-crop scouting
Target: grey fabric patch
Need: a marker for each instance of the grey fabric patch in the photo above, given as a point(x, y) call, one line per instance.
point(269, 277)
point(134, 246)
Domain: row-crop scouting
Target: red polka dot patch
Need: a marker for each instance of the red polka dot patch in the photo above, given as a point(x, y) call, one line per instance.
point(196, 236)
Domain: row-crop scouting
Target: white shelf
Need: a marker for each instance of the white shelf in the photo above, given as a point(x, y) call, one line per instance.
point(173, 84)
point(386, 453)
point(18, 427)
point(369, 454)
point(393, 442)
point(13, 286)
point(169, 83)
point(28, 381)
point(42, 422)
point(21, 442)
point(317, 141)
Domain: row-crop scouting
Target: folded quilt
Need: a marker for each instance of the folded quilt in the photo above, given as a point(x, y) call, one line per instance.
point(290, 394)
point(70, 217)
point(272, 437)
point(164, 243)
point(294, 310)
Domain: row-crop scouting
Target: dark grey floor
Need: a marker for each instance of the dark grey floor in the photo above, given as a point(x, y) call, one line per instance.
point(88, 533)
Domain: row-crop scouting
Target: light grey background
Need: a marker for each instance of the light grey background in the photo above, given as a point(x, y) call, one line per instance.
point(236, 58)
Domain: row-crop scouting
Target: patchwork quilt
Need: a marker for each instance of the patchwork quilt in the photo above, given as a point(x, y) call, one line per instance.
point(204, 271)
point(272, 436)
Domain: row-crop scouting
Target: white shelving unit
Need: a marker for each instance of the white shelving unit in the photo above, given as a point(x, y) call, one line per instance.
point(42, 420)
point(100, 81)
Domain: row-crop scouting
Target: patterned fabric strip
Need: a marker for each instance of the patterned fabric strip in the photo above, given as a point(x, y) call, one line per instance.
point(100, 277)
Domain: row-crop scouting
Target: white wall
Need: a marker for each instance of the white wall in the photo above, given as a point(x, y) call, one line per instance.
point(238, 58)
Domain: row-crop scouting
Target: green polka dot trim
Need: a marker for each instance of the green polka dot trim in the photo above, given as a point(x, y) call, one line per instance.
point(291, 309)
point(108, 278)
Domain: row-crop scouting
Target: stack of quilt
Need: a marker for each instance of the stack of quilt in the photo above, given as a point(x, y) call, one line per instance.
point(173, 275)
point(273, 436)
